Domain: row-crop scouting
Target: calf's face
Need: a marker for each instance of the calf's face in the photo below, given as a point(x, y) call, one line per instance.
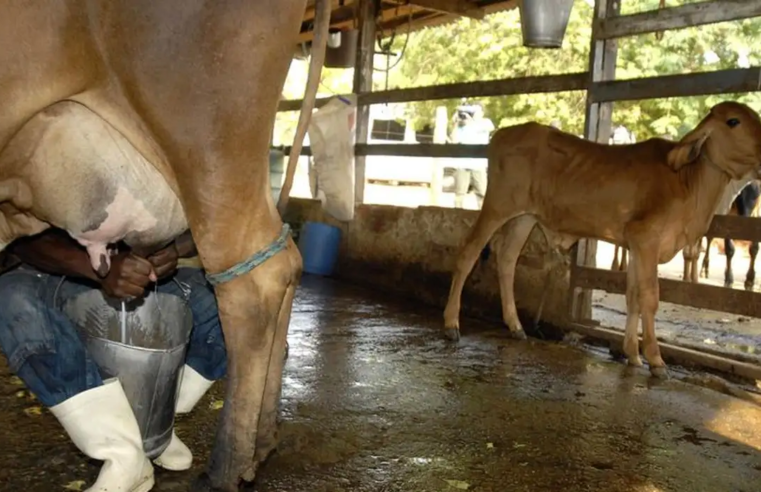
point(729, 135)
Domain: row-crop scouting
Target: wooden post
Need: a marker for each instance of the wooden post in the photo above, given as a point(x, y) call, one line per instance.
point(437, 164)
point(597, 127)
point(363, 83)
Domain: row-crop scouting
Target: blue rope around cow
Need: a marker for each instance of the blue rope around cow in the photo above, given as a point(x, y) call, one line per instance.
point(254, 261)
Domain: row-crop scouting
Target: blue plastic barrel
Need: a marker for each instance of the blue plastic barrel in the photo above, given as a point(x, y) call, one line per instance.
point(318, 244)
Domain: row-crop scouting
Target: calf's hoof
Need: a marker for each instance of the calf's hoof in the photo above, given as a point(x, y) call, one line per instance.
point(634, 361)
point(660, 372)
point(517, 334)
point(452, 334)
point(264, 449)
point(749, 286)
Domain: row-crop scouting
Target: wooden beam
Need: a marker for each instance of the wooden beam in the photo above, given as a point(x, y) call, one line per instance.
point(683, 85)
point(675, 353)
point(469, 151)
point(472, 151)
point(502, 87)
point(735, 227)
point(692, 14)
point(344, 18)
point(488, 88)
point(700, 296)
point(597, 128)
point(363, 84)
point(459, 7)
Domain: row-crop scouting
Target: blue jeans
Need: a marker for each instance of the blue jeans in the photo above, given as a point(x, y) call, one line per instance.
point(45, 351)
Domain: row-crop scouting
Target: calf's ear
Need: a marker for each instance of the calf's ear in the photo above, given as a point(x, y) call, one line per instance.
point(687, 150)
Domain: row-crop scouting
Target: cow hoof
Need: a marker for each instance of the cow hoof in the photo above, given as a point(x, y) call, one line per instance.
point(202, 483)
point(659, 372)
point(517, 335)
point(452, 334)
point(749, 286)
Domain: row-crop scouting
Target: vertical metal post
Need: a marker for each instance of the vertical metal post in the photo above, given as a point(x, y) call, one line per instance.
point(597, 127)
point(363, 82)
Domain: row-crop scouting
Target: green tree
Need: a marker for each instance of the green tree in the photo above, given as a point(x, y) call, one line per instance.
point(469, 50)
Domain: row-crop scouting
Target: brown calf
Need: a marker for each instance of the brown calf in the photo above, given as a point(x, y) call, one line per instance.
point(654, 197)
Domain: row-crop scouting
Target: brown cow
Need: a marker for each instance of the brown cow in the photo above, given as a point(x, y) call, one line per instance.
point(655, 197)
point(132, 119)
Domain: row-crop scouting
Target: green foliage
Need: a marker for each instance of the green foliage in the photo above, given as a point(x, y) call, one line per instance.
point(470, 50)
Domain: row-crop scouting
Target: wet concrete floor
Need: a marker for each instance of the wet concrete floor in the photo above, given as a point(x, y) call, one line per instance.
point(375, 401)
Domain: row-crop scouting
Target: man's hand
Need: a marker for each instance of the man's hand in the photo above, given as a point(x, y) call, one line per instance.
point(128, 277)
point(165, 261)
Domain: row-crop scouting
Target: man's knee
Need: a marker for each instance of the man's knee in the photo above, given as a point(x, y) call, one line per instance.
point(40, 342)
point(27, 326)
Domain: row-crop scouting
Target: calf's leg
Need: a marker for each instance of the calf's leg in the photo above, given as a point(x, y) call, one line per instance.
point(486, 225)
point(706, 258)
point(729, 251)
point(646, 264)
point(631, 338)
point(690, 256)
point(750, 277)
point(616, 264)
point(517, 233)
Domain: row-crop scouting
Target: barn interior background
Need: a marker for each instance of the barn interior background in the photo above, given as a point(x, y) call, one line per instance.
point(653, 67)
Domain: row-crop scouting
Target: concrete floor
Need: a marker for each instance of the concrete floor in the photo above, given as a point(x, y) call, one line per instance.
point(375, 401)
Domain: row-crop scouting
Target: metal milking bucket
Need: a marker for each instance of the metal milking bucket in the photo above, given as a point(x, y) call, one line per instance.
point(144, 345)
point(544, 22)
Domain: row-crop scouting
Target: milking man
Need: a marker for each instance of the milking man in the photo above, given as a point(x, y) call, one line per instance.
point(45, 351)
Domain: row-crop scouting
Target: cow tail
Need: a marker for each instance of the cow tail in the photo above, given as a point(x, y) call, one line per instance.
point(317, 60)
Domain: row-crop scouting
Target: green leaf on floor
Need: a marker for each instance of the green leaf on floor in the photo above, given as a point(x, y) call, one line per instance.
point(489, 445)
point(15, 380)
point(458, 484)
point(77, 485)
point(217, 404)
point(33, 411)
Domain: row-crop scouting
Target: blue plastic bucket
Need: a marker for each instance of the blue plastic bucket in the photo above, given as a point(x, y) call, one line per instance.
point(318, 244)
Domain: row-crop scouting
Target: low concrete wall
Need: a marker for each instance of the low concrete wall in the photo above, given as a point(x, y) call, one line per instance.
point(411, 252)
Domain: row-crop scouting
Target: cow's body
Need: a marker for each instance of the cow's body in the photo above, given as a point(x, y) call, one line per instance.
point(135, 119)
point(654, 197)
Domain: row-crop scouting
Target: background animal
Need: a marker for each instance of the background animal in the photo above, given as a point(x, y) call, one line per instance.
point(654, 197)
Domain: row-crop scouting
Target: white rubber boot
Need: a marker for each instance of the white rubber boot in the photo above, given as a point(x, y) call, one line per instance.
point(102, 425)
point(177, 456)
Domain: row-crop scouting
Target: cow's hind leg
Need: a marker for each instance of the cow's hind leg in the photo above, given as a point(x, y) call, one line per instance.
point(266, 439)
point(486, 225)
